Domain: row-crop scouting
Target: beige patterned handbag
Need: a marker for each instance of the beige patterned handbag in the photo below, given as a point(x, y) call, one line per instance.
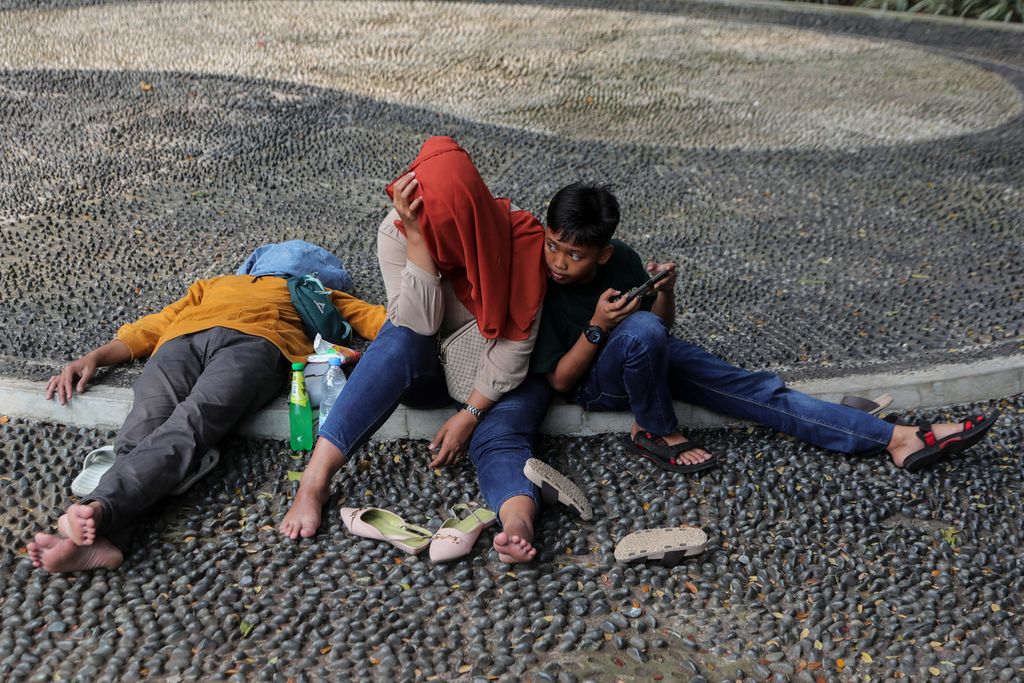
point(460, 355)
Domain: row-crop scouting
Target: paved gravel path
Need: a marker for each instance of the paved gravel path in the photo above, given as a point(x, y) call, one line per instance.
point(813, 558)
point(843, 192)
point(838, 203)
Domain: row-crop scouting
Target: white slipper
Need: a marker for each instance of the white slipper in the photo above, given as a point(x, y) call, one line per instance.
point(96, 463)
point(100, 460)
point(556, 487)
point(669, 545)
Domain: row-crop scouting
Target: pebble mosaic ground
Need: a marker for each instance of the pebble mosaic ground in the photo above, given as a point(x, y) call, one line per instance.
point(836, 203)
point(818, 565)
point(842, 191)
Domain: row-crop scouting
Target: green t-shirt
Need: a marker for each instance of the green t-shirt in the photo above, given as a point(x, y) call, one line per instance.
point(569, 308)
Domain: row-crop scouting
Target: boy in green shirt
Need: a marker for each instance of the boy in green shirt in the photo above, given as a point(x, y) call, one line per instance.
point(611, 353)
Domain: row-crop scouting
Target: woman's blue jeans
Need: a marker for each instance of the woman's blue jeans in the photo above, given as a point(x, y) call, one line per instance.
point(643, 368)
point(401, 366)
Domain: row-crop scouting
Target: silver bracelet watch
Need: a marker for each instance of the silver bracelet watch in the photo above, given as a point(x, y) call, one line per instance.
point(474, 411)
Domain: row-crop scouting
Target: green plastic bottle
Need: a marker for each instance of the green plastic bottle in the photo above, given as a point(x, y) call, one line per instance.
point(300, 415)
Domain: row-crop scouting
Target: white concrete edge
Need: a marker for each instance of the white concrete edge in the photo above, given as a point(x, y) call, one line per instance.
point(942, 385)
point(792, 6)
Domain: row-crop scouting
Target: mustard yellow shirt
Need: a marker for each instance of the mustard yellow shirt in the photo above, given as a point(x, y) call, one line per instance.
point(262, 308)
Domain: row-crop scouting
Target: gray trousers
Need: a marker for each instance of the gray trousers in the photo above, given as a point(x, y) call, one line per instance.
point(191, 393)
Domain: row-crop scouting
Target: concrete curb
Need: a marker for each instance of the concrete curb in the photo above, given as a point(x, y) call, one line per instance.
point(927, 388)
point(841, 10)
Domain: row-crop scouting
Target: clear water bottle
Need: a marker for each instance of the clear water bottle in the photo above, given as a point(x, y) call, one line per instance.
point(333, 381)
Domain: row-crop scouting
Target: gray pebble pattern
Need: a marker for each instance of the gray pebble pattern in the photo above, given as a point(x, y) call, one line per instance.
point(812, 558)
point(119, 188)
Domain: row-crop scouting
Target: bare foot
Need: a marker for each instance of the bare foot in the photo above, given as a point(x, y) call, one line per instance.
point(905, 441)
point(514, 544)
point(79, 523)
point(691, 457)
point(303, 517)
point(37, 547)
point(56, 554)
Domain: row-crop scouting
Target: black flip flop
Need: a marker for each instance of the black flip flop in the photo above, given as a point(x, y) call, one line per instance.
point(654, 448)
point(937, 450)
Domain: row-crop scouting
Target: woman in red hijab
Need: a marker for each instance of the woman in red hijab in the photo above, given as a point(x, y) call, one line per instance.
point(449, 252)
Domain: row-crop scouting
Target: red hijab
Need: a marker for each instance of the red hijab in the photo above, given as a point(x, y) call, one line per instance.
point(492, 256)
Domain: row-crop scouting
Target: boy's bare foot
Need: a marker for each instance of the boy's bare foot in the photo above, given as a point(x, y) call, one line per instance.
point(691, 457)
point(905, 441)
point(515, 543)
point(56, 554)
point(303, 517)
point(79, 523)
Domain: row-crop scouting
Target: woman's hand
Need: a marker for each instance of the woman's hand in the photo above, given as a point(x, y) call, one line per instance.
point(452, 439)
point(405, 205)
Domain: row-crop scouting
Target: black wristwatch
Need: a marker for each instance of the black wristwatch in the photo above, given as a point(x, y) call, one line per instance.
point(594, 334)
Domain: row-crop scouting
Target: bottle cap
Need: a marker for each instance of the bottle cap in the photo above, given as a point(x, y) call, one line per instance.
point(334, 360)
point(298, 366)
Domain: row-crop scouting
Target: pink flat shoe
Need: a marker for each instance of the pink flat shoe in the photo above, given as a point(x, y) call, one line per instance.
point(382, 525)
point(457, 535)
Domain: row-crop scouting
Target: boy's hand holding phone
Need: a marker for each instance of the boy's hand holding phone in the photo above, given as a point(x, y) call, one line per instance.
point(612, 309)
point(668, 284)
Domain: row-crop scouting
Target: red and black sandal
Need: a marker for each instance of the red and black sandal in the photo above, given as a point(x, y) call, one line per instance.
point(936, 450)
point(657, 450)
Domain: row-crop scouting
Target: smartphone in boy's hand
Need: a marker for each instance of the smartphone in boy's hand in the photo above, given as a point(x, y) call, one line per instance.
point(645, 288)
point(669, 283)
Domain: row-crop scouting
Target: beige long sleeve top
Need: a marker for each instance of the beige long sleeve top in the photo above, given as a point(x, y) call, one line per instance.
point(427, 305)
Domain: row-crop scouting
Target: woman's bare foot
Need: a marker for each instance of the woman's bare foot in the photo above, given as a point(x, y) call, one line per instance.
point(79, 523)
point(303, 517)
point(515, 543)
point(56, 554)
point(691, 457)
point(905, 440)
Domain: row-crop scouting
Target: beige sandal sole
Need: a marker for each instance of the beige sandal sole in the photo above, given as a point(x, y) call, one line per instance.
point(556, 487)
point(668, 545)
point(870, 406)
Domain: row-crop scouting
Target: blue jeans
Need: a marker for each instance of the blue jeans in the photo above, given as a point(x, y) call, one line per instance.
point(401, 366)
point(643, 368)
point(504, 441)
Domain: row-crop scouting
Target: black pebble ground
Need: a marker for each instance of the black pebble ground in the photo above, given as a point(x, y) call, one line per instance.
point(814, 262)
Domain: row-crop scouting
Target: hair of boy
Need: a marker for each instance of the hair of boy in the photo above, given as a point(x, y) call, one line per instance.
point(584, 214)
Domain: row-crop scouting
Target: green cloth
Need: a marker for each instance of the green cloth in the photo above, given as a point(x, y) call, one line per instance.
point(569, 308)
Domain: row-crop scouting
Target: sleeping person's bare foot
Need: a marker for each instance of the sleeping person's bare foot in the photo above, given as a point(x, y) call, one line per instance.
point(56, 554)
point(79, 523)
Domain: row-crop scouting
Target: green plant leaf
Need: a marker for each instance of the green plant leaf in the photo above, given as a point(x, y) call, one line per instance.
point(246, 628)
